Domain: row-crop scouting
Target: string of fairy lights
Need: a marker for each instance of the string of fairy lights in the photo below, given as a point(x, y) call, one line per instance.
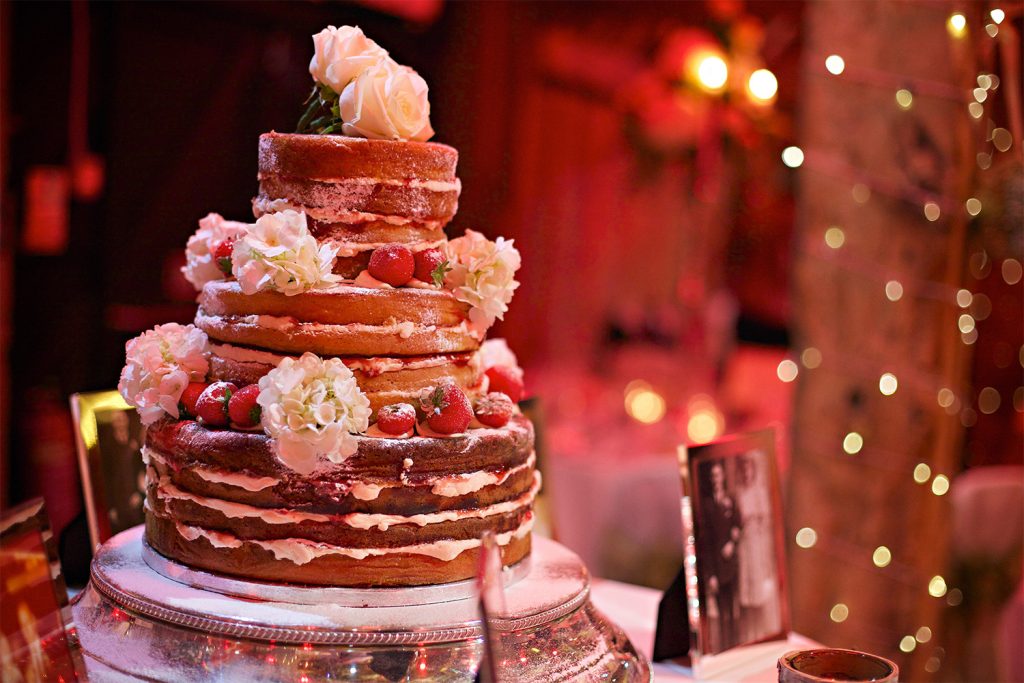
point(972, 307)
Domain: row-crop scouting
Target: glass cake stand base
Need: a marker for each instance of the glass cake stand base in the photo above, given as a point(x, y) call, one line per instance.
point(143, 616)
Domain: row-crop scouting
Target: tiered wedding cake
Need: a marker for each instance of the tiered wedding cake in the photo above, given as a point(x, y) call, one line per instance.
point(334, 416)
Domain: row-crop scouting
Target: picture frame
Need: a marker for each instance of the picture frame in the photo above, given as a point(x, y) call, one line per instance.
point(735, 550)
point(36, 638)
point(109, 437)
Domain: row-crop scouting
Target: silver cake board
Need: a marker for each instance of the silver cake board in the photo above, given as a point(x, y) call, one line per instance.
point(145, 616)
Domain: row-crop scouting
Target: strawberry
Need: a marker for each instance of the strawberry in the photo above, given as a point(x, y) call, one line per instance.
point(431, 266)
point(397, 418)
point(494, 409)
point(447, 408)
point(212, 404)
point(190, 396)
point(393, 264)
point(221, 252)
point(507, 380)
point(243, 409)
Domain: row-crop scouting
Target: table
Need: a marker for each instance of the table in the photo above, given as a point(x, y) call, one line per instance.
point(635, 609)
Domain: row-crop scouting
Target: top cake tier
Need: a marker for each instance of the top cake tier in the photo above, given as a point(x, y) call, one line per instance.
point(359, 194)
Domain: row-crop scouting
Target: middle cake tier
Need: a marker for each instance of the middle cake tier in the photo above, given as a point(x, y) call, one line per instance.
point(397, 342)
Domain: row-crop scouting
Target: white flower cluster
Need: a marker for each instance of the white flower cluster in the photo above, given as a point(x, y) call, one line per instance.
point(311, 407)
point(482, 275)
point(159, 364)
point(279, 253)
point(378, 98)
point(200, 263)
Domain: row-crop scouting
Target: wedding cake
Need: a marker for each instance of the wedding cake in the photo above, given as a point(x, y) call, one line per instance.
point(334, 416)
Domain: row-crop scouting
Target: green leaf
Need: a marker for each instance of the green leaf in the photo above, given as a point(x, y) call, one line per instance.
point(225, 265)
point(437, 275)
point(255, 413)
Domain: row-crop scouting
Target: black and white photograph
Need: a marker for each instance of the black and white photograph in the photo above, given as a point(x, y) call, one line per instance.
point(737, 528)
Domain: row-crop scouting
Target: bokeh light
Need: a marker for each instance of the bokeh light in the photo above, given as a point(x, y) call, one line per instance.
point(712, 72)
point(937, 587)
point(839, 613)
point(762, 85)
point(643, 403)
point(853, 443)
point(887, 384)
point(835, 64)
point(893, 290)
point(957, 25)
point(811, 358)
point(922, 473)
point(793, 157)
point(787, 370)
point(806, 537)
point(882, 556)
point(835, 237)
point(940, 485)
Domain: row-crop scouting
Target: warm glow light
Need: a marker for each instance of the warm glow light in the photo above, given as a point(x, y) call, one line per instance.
point(991, 30)
point(980, 94)
point(712, 72)
point(852, 443)
point(793, 157)
point(787, 370)
point(882, 556)
point(989, 400)
point(644, 404)
point(861, 193)
point(937, 587)
point(762, 85)
point(834, 237)
point(806, 537)
point(922, 473)
point(923, 635)
point(704, 425)
point(932, 665)
point(956, 25)
point(973, 206)
point(887, 384)
point(984, 160)
point(893, 290)
point(835, 64)
point(946, 397)
point(839, 613)
point(1012, 271)
point(975, 109)
point(985, 81)
point(811, 358)
point(997, 15)
point(1001, 139)
point(955, 597)
point(966, 323)
point(904, 98)
point(931, 211)
point(908, 643)
point(963, 298)
point(940, 485)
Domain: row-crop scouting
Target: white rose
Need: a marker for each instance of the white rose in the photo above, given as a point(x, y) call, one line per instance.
point(312, 407)
point(482, 275)
point(159, 364)
point(200, 265)
point(278, 253)
point(341, 54)
point(386, 102)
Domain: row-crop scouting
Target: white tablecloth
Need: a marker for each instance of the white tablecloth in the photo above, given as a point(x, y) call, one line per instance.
point(635, 609)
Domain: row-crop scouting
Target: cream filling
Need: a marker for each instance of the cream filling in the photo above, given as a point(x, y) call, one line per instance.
point(461, 484)
point(261, 206)
point(242, 481)
point(349, 249)
point(166, 490)
point(369, 366)
point(403, 329)
point(416, 183)
point(302, 551)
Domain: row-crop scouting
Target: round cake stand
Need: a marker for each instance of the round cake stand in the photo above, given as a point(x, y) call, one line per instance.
point(145, 617)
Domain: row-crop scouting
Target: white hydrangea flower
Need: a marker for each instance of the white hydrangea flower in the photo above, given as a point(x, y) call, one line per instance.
point(200, 265)
point(279, 253)
point(482, 275)
point(159, 365)
point(341, 54)
point(312, 407)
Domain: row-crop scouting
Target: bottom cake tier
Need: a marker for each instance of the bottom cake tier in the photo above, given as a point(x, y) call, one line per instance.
point(144, 617)
point(399, 512)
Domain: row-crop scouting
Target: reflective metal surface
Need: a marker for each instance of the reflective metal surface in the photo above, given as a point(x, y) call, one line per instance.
point(135, 621)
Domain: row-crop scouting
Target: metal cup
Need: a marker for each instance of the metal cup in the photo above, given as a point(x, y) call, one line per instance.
point(828, 664)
